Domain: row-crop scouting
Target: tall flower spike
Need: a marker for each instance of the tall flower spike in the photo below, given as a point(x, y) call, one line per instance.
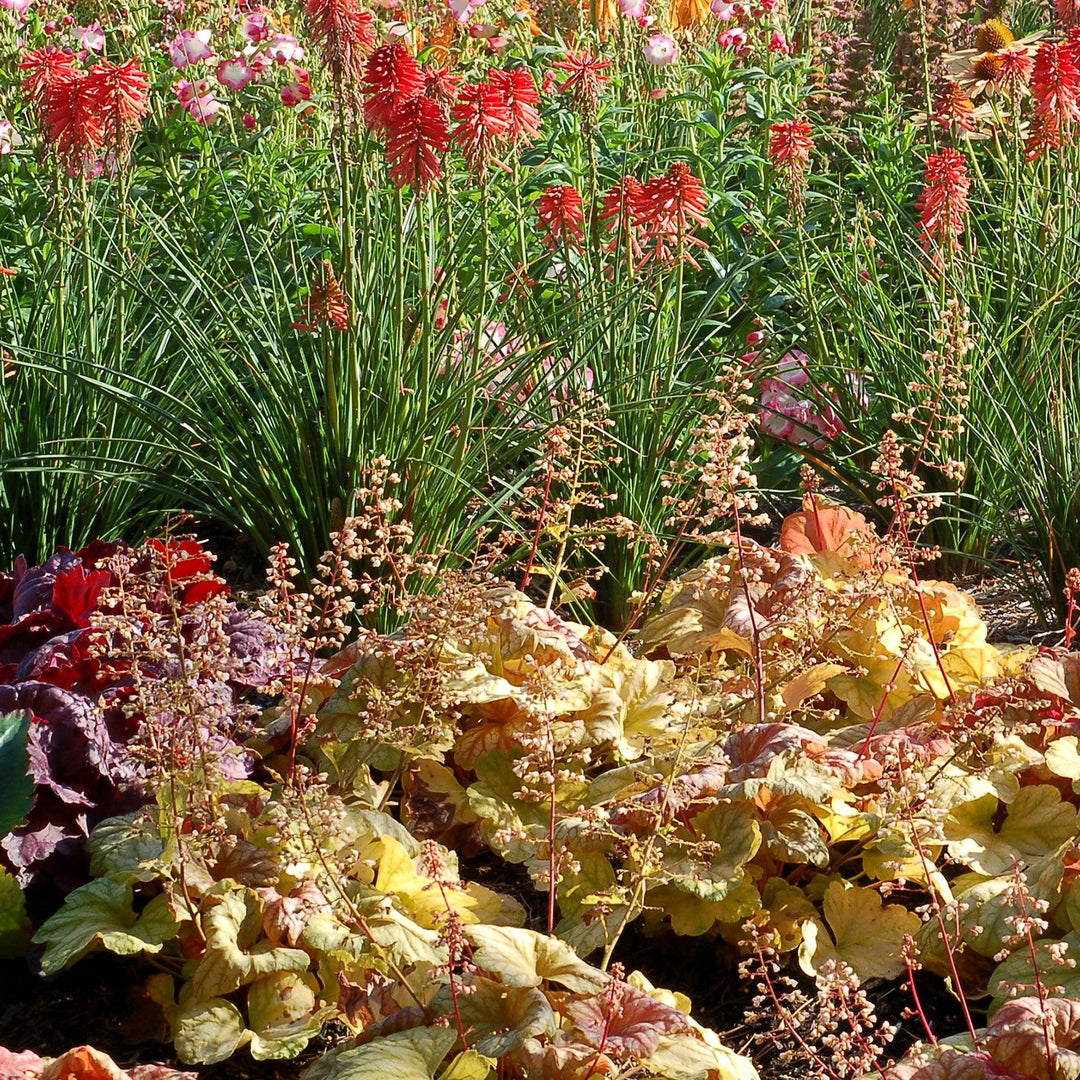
point(563, 216)
point(483, 118)
point(790, 146)
point(392, 76)
point(669, 209)
point(1055, 86)
point(326, 303)
point(943, 202)
point(584, 80)
point(416, 137)
point(954, 111)
point(619, 209)
point(122, 92)
point(522, 97)
point(345, 35)
point(42, 67)
point(72, 119)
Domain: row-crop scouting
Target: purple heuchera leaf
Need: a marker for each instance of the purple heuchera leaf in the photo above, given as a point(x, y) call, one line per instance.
point(624, 1021)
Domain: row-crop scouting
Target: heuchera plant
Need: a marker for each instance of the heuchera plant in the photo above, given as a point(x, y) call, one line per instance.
point(60, 662)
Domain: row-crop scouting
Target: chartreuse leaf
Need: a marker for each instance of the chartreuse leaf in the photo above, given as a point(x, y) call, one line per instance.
point(500, 1018)
point(686, 1057)
point(16, 784)
point(1037, 822)
point(1063, 757)
point(404, 1055)
point(208, 1031)
point(227, 964)
point(283, 1014)
point(469, 1065)
point(868, 936)
point(15, 927)
point(126, 846)
point(1018, 972)
point(101, 912)
point(525, 958)
point(423, 897)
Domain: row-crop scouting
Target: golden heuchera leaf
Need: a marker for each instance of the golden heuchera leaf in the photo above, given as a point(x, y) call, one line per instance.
point(422, 896)
point(867, 935)
point(1037, 823)
point(231, 921)
point(809, 683)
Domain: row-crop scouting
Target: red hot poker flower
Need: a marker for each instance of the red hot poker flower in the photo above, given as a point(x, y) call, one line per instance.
point(72, 119)
point(954, 111)
point(943, 202)
point(42, 67)
point(790, 146)
point(483, 117)
point(584, 80)
point(345, 34)
point(563, 216)
point(670, 208)
point(122, 93)
point(392, 76)
point(326, 303)
point(522, 97)
point(1055, 86)
point(620, 208)
point(417, 136)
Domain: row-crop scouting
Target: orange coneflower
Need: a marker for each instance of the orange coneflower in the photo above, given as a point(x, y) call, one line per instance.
point(483, 118)
point(326, 303)
point(998, 61)
point(943, 202)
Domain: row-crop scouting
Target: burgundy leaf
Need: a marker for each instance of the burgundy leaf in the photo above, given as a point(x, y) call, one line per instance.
point(624, 1021)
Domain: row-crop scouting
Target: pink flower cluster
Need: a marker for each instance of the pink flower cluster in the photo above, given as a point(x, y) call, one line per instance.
point(264, 50)
point(794, 409)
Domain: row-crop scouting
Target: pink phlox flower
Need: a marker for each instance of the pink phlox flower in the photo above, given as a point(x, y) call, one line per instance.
point(724, 10)
point(19, 7)
point(285, 49)
point(462, 10)
point(633, 9)
point(257, 27)
point(293, 93)
point(190, 47)
point(235, 73)
point(778, 44)
point(661, 50)
point(734, 37)
point(197, 98)
point(800, 417)
point(10, 139)
point(91, 37)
